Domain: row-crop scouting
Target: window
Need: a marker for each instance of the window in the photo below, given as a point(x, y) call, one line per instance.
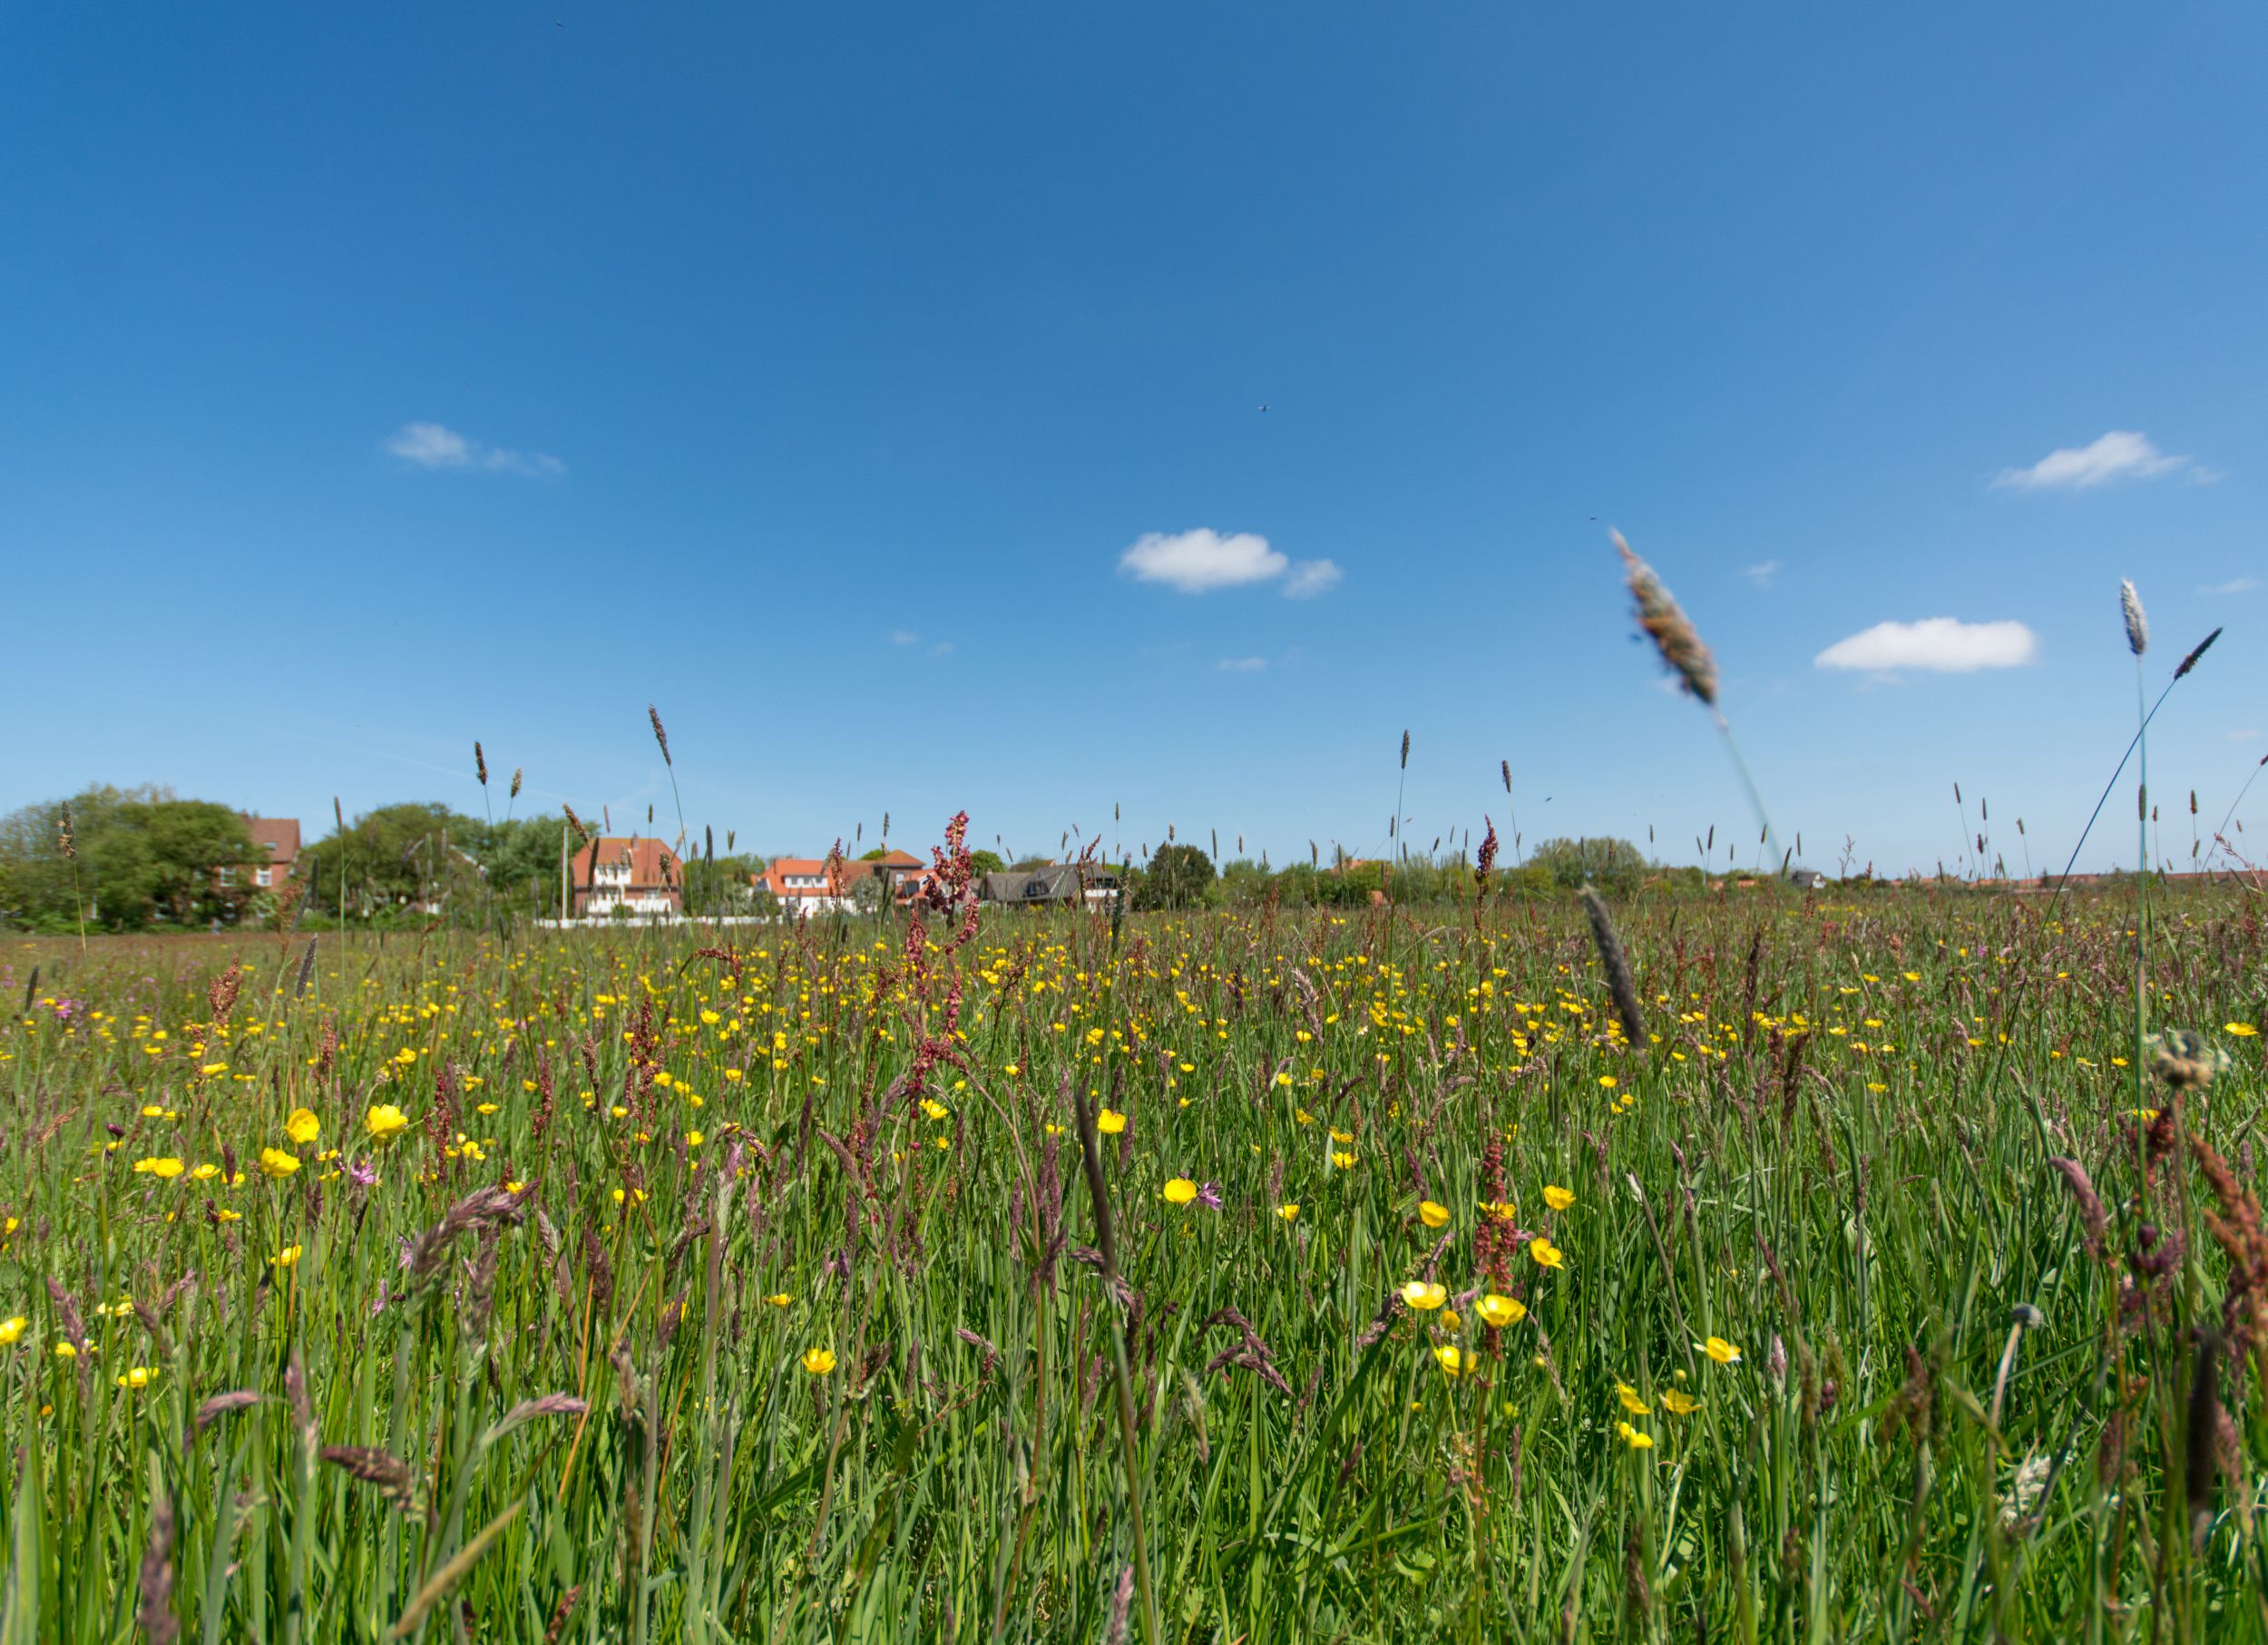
point(228, 877)
point(266, 876)
point(272, 846)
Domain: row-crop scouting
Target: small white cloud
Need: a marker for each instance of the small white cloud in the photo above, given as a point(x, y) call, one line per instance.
point(2119, 455)
point(2242, 736)
point(1937, 645)
point(431, 445)
point(1242, 665)
point(2234, 585)
point(1198, 560)
point(905, 636)
point(942, 648)
point(1312, 577)
point(1762, 574)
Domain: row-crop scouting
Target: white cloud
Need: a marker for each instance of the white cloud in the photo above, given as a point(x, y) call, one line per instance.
point(905, 636)
point(1937, 645)
point(941, 649)
point(1197, 560)
point(431, 445)
point(2242, 736)
point(2119, 455)
point(1312, 577)
point(1242, 665)
point(1762, 574)
point(2234, 585)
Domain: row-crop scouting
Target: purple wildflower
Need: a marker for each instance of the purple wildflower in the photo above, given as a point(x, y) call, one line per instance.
point(1208, 1196)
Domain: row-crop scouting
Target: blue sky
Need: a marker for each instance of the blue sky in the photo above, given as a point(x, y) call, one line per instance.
point(371, 382)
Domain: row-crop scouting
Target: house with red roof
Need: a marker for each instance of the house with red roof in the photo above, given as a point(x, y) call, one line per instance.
point(276, 848)
point(803, 885)
point(631, 876)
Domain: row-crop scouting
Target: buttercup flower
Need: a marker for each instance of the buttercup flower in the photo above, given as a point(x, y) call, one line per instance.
point(1450, 1360)
point(818, 1361)
point(1109, 1122)
point(1637, 1439)
point(1289, 1212)
point(1550, 1254)
point(1424, 1295)
point(1559, 1199)
point(385, 1120)
point(302, 1127)
point(1180, 1190)
point(1432, 1215)
point(167, 1168)
point(1720, 1350)
point(11, 1328)
point(1501, 1311)
point(278, 1163)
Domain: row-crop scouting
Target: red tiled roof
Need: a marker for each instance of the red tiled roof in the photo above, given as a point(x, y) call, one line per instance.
point(277, 838)
point(648, 860)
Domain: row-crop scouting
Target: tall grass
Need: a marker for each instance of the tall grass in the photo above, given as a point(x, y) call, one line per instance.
point(492, 1412)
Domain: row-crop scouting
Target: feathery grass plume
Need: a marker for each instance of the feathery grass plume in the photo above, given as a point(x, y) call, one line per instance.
point(1666, 624)
point(532, 1410)
point(659, 736)
point(66, 836)
point(219, 1406)
point(1617, 965)
point(514, 794)
point(559, 1614)
point(2196, 651)
point(1664, 621)
point(30, 991)
point(2089, 1203)
point(574, 822)
point(1106, 1234)
point(480, 763)
point(478, 1211)
point(160, 1626)
point(220, 996)
point(2233, 1220)
point(1405, 749)
point(2138, 641)
point(307, 971)
point(376, 1466)
point(2202, 1428)
point(2138, 626)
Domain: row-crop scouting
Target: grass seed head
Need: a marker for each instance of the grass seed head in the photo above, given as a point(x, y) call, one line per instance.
point(2130, 613)
point(1666, 624)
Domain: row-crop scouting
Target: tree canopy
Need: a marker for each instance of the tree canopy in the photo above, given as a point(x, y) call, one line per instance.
point(138, 857)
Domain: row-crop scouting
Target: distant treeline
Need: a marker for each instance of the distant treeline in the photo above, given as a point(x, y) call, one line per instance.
point(132, 859)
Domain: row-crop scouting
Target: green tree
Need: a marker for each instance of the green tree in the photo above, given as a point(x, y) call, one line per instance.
point(1243, 884)
point(1177, 876)
point(143, 856)
point(1613, 865)
point(725, 884)
point(986, 862)
point(407, 857)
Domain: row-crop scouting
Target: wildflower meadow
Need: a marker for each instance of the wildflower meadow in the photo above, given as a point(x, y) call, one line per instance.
point(1217, 1277)
point(1839, 1262)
